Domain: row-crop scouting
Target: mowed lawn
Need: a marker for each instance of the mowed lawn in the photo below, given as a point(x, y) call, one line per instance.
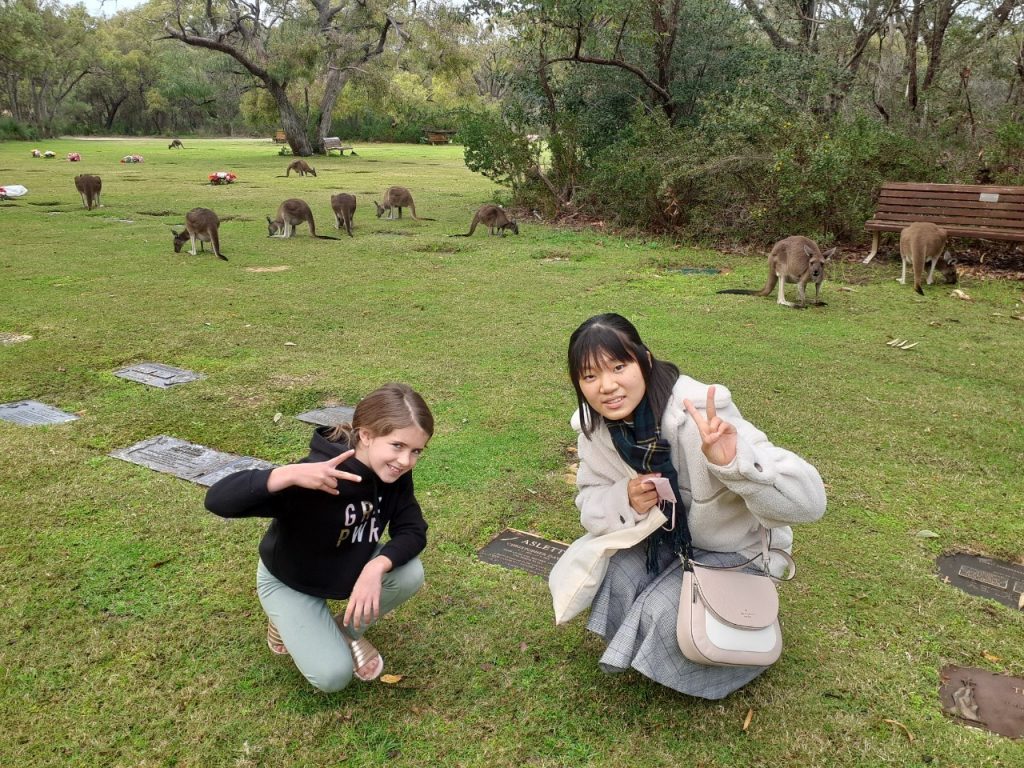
point(132, 635)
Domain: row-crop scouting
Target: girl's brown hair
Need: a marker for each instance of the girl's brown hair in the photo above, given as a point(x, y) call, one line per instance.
point(393, 406)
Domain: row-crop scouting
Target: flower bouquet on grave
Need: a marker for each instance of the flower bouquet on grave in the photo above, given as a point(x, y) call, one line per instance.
point(284, 151)
point(74, 157)
point(222, 177)
point(131, 159)
point(36, 153)
point(49, 155)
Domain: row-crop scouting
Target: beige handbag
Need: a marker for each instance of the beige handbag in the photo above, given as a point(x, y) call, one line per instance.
point(730, 618)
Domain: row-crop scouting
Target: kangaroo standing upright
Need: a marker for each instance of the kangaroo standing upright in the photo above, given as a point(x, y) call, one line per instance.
point(799, 259)
point(496, 219)
point(290, 214)
point(89, 187)
point(301, 167)
point(397, 198)
point(344, 207)
point(176, 144)
point(924, 242)
point(203, 225)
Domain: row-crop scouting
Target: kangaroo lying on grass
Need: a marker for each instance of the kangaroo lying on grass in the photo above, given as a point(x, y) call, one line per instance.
point(89, 187)
point(344, 207)
point(496, 219)
point(301, 167)
point(799, 259)
point(203, 225)
point(290, 214)
point(398, 197)
point(176, 144)
point(921, 243)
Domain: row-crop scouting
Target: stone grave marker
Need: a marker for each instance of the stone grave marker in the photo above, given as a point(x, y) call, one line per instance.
point(522, 550)
point(33, 413)
point(328, 417)
point(188, 461)
point(984, 577)
point(7, 338)
point(158, 375)
point(983, 699)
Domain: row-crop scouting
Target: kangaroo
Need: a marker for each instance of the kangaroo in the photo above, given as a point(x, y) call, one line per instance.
point(301, 167)
point(203, 225)
point(344, 207)
point(799, 259)
point(89, 187)
point(398, 197)
point(496, 219)
point(290, 214)
point(176, 144)
point(924, 242)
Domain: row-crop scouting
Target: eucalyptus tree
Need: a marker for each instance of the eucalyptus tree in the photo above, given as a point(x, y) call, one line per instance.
point(281, 42)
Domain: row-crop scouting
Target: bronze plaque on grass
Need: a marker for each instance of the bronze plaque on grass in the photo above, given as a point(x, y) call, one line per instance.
point(158, 374)
point(982, 699)
point(31, 413)
point(328, 417)
point(984, 577)
point(526, 551)
point(187, 460)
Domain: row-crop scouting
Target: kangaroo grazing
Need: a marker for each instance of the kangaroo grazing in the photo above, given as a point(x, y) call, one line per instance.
point(89, 187)
point(921, 243)
point(203, 225)
point(398, 197)
point(301, 167)
point(496, 219)
point(176, 144)
point(290, 214)
point(344, 207)
point(799, 259)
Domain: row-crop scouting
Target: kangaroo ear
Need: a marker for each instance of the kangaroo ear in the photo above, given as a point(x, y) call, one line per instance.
point(269, 221)
point(829, 253)
point(808, 252)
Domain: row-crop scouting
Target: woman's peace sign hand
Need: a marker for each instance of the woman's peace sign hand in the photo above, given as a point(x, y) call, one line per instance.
point(317, 476)
point(718, 438)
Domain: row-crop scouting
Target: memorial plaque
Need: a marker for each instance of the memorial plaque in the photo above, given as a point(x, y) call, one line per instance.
point(984, 577)
point(33, 413)
point(158, 375)
point(982, 699)
point(328, 417)
point(526, 551)
point(7, 338)
point(187, 460)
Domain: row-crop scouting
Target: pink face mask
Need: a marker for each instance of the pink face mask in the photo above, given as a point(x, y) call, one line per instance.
point(663, 487)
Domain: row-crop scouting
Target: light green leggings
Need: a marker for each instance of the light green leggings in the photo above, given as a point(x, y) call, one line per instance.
point(307, 626)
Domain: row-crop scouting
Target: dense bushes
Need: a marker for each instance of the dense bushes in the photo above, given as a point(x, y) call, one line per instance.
point(12, 129)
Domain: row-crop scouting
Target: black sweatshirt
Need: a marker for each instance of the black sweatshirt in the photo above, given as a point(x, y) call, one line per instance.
point(318, 543)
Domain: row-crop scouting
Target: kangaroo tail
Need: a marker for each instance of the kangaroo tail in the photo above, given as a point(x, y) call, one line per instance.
point(325, 237)
point(215, 242)
point(770, 285)
point(740, 291)
point(422, 218)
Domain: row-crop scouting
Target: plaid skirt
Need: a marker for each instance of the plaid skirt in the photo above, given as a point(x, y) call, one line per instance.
point(635, 613)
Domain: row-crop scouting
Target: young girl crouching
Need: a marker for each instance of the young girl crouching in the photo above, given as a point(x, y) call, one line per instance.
point(328, 515)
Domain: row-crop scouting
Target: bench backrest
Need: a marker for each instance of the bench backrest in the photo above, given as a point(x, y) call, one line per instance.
point(958, 207)
point(332, 141)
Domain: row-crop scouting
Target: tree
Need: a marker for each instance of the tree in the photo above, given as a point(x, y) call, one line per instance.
point(281, 42)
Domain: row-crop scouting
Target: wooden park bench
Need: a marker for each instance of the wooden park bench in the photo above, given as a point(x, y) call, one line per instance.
point(280, 137)
point(437, 136)
point(963, 210)
point(333, 143)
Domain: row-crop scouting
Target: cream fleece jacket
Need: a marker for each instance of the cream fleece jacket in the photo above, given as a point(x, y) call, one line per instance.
point(764, 484)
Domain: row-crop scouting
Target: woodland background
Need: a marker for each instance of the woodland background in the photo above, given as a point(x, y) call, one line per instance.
point(744, 120)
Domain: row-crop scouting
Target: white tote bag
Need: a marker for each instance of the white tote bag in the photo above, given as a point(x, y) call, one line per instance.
point(576, 576)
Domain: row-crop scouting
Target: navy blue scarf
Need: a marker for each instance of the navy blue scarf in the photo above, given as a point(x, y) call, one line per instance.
point(638, 441)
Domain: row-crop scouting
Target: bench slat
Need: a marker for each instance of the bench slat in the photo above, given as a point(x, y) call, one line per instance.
point(965, 206)
point(1013, 201)
point(943, 219)
point(952, 230)
point(1008, 218)
point(978, 188)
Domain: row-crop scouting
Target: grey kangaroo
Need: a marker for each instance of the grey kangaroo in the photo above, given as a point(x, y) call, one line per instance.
point(89, 187)
point(496, 219)
point(344, 207)
point(301, 167)
point(203, 225)
point(397, 198)
point(921, 243)
point(176, 144)
point(799, 259)
point(290, 214)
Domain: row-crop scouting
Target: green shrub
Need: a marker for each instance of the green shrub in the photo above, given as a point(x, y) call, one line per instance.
point(12, 129)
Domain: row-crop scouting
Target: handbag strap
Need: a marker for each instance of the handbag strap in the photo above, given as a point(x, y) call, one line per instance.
point(766, 548)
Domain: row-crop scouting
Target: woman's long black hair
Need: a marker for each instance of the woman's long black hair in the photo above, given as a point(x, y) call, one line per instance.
point(613, 336)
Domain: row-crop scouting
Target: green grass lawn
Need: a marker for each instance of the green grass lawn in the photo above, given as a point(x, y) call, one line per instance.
point(132, 633)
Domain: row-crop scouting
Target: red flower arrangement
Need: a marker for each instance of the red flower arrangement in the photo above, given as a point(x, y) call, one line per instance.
point(131, 159)
point(222, 177)
point(74, 157)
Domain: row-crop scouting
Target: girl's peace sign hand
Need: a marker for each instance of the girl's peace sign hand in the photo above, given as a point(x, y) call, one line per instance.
point(718, 438)
point(317, 476)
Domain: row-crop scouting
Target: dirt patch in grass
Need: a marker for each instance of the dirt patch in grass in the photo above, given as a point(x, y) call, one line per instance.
point(45, 202)
point(156, 213)
point(439, 248)
point(267, 269)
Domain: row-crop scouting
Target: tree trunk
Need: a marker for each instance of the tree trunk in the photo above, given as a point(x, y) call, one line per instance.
point(911, 36)
point(294, 128)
